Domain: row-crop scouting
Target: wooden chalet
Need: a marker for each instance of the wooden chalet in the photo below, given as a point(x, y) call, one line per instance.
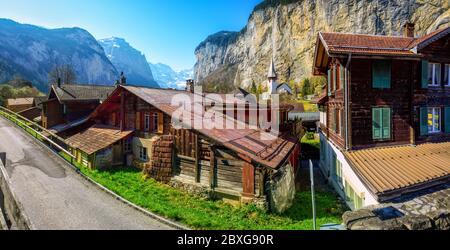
point(387, 98)
point(230, 163)
point(69, 105)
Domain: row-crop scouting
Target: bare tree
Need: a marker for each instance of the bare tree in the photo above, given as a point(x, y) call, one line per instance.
point(65, 72)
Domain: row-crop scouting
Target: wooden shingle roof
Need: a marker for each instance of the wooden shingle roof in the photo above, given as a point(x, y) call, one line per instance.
point(77, 92)
point(96, 138)
point(20, 101)
point(391, 171)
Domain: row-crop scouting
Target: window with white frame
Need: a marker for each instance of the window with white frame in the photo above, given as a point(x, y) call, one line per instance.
point(434, 74)
point(146, 122)
point(447, 75)
point(339, 173)
point(143, 154)
point(434, 120)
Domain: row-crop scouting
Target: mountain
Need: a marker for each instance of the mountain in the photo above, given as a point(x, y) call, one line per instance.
point(287, 30)
point(130, 61)
point(32, 52)
point(169, 78)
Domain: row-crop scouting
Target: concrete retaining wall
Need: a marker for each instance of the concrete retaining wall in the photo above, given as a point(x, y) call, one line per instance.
point(12, 210)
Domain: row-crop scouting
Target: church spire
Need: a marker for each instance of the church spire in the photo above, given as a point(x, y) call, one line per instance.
point(272, 74)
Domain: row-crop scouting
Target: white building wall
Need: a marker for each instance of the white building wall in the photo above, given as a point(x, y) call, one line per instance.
point(330, 154)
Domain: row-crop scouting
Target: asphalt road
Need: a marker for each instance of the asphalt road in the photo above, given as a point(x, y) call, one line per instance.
point(55, 197)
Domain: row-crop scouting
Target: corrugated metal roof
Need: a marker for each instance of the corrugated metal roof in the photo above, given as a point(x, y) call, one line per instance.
point(96, 138)
point(270, 152)
point(387, 171)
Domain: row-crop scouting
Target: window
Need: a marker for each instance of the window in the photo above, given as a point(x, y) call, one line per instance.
point(143, 154)
point(127, 145)
point(381, 123)
point(355, 200)
point(434, 74)
point(381, 74)
point(333, 119)
point(329, 82)
point(341, 122)
point(155, 122)
point(147, 122)
point(434, 120)
point(447, 74)
point(339, 173)
point(341, 76)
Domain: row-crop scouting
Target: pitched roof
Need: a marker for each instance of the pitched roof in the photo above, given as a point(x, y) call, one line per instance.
point(77, 92)
point(393, 171)
point(272, 72)
point(20, 101)
point(96, 138)
point(339, 43)
point(270, 152)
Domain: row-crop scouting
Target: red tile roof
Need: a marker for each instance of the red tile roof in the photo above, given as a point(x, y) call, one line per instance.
point(338, 43)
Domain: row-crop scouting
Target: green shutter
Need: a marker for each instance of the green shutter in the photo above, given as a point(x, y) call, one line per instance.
point(386, 123)
point(329, 82)
point(376, 123)
point(381, 74)
point(447, 120)
point(423, 121)
point(425, 66)
point(334, 77)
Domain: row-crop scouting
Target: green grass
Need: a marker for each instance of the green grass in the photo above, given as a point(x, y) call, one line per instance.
point(309, 106)
point(199, 213)
point(20, 123)
point(310, 146)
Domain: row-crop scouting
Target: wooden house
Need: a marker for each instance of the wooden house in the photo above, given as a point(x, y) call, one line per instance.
point(19, 104)
point(230, 163)
point(69, 105)
point(385, 119)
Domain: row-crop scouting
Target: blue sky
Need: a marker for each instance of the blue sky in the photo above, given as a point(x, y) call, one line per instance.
point(165, 30)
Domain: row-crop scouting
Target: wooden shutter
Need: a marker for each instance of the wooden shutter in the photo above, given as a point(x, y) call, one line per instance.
point(447, 119)
point(376, 123)
point(424, 121)
point(381, 74)
point(386, 123)
point(341, 76)
point(425, 65)
point(138, 120)
point(160, 122)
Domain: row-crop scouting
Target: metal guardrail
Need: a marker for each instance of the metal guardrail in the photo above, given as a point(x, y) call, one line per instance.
point(18, 119)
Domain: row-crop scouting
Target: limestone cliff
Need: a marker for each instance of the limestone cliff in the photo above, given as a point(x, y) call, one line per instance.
point(287, 30)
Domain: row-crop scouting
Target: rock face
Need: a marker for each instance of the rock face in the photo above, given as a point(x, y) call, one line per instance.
point(32, 52)
point(288, 32)
point(130, 61)
point(166, 77)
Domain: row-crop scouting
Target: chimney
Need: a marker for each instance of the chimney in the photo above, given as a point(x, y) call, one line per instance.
point(59, 82)
point(190, 85)
point(409, 30)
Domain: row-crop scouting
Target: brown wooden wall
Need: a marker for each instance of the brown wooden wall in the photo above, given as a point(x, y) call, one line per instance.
point(364, 97)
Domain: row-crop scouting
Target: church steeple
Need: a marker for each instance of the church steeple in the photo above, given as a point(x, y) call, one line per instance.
point(272, 74)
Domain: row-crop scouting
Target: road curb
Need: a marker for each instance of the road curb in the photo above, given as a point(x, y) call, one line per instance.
point(159, 218)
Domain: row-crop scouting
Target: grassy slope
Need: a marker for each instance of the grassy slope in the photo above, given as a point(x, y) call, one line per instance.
point(200, 213)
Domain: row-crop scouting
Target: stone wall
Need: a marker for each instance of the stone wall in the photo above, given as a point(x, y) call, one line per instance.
point(425, 211)
point(281, 191)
